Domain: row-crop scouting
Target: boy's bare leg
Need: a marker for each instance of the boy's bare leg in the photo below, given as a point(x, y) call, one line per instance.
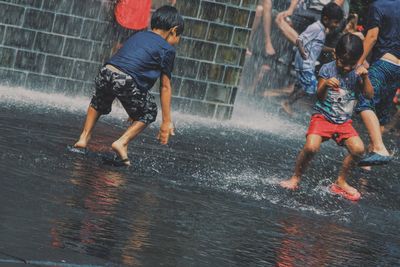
point(311, 147)
point(371, 122)
point(269, 49)
point(286, 29)
point(355, 147)
point(120, 146)
point(91, 118)
point(257, 20)
point(293, 97)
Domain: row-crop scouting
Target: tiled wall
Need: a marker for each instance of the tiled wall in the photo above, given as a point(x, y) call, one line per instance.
point(59, 45)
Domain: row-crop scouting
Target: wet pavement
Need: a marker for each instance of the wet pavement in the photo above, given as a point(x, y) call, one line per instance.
point(209, 198)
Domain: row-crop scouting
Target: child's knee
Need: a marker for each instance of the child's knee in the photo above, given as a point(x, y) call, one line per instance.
point(268, 4)
point(358, 151)
point(311, 149)
point(259, 11)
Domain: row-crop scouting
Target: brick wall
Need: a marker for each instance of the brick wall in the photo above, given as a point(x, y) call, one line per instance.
point(59, 45)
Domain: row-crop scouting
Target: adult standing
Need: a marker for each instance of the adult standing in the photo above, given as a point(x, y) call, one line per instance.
point(383, 40)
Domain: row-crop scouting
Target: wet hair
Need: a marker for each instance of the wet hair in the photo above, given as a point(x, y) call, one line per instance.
point(167, 17)
point(349, 48)
point(332, 11)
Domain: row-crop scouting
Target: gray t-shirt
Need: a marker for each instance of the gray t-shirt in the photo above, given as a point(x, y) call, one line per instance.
point(313, 39)
point(338, 105)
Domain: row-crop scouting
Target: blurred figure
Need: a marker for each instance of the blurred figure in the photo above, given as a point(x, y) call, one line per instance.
point(309, 46)
point(352, 26)
point(263, 14)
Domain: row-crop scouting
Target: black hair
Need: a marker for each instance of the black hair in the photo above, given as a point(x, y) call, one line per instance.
point(332, 11)
point(167, 17)
point(349, 48)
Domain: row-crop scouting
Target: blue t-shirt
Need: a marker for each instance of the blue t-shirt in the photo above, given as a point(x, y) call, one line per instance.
point(145, 56)
point(338, 105)
point(384, 15)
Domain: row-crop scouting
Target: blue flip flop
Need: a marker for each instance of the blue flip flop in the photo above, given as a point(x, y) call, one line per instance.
point(78, 150)
point(116, 161)
point(373, 159)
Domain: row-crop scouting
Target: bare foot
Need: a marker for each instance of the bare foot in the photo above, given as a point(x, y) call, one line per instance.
point(248, 52)
point(347, 188)
point(83, 140)
point(287, 108)
point(269, 49)
point(80, 144)
point(291, 184)
point(122, 151)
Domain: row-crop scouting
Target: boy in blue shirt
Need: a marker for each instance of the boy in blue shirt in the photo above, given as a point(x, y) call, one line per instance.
point(338, 86)
point(309, 46)
point(130, 74)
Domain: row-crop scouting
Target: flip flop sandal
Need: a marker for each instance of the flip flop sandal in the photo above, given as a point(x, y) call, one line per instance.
point(78, 150)
point(337, 190)
point(116, 162)
point(374, 159)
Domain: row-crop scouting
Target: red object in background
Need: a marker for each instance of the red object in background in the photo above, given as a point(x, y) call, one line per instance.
point(133, 14)
point(396, 99)
point(360, 28)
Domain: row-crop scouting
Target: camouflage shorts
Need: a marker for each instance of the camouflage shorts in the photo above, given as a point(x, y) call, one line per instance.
point(139, 105)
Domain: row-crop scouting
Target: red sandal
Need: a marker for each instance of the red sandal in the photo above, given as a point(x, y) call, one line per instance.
point(335, 189)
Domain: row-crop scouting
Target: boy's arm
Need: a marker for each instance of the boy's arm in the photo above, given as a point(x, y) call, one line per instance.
point(290, 10)
point(369, 42)
point(375, 22)
point(166, 128)
point(305, 37)
point(368, 89)
point(322, 89)
point(324, 85)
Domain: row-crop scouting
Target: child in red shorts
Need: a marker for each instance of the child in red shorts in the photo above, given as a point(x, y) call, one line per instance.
point(338, 85)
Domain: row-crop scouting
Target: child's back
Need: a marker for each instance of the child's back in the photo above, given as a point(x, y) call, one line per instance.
point(144, 56)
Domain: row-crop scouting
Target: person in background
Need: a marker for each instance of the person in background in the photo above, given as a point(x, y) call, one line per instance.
point(263, 14)
point(352, 26)
point(383, 40)
point(302, 13)
point(309, 46)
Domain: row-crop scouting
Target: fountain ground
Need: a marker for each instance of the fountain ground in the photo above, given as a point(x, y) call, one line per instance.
point(209, 198)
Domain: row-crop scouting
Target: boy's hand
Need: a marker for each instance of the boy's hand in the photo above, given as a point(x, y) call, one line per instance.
point(302, 51)
point(286, 13)
point(333, 83)
point(166, 129)
point(362, 71)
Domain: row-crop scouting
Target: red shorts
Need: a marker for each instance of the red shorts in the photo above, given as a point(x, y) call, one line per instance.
point(319, 125)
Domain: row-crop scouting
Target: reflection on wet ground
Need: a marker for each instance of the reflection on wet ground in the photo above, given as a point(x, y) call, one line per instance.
point(209, 198)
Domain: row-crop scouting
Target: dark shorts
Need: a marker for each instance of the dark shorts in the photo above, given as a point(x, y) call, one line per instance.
point(385, 78)
point(319, 125)
point(139, 105)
